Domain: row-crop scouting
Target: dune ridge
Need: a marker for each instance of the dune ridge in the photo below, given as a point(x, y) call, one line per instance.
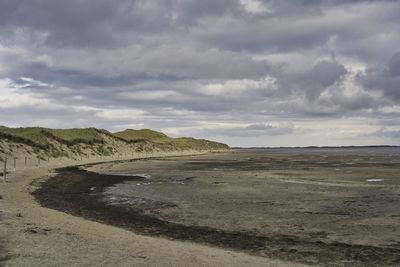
point(77, 143)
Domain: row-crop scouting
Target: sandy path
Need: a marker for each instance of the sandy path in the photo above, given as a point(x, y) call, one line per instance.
point(31, 235)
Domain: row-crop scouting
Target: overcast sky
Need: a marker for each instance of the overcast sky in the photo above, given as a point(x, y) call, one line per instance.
point(244, 72)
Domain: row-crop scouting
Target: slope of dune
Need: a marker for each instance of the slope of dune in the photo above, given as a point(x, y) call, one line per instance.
point(165, 143)
point(45, 143)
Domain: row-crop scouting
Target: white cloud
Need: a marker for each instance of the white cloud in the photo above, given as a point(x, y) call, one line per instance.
point(13, 97)
point(120, 114)
point(235, 87)
point(151, 95)
point(254, 6)
point(32, 82)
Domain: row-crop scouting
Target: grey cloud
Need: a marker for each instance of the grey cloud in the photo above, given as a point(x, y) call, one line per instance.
point(258, 129)
point(327, 73)
point(384, 78)
point(188, 62)
point(322, 75)
point(268, 129)
point(104, 23)
point(63, 21)
point(394, 65)
point(313, 81)
point(7, 10)
point(383, 132)
point(312, 26)
point(189, 12)
point(355, 102)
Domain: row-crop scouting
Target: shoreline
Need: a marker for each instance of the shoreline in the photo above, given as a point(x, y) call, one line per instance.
point(32, 235)
point(80, 196)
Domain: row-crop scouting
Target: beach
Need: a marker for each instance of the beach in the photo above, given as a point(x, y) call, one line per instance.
point(256, 208)
point(32, 235)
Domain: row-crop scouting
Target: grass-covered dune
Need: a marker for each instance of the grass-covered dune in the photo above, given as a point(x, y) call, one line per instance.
point(164, 142)
point(144, 134)
point(78, 142)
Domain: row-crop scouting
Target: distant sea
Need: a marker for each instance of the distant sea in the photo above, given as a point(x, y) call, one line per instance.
point(349, 150)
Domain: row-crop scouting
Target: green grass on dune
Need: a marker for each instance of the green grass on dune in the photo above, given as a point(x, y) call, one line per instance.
point(198, 144)
point(78, 135)
point(166, 143)
point(143, 139)
point(41, 136)
point(26, 135)
point(146, 134)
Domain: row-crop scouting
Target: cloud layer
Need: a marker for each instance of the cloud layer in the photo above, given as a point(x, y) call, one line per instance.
point(246, 72)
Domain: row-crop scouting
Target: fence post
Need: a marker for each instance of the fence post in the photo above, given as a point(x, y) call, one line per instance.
point(26, 161)
point(5, 170)
point(15, 163)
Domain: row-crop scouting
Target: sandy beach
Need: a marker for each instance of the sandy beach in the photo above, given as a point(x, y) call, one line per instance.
point(32, 235)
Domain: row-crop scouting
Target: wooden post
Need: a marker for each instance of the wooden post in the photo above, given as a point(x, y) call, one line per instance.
point(15, 164)
point(5, 170)
point(26, 162)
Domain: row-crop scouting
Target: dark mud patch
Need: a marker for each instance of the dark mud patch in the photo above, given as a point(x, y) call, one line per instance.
point(79, 192)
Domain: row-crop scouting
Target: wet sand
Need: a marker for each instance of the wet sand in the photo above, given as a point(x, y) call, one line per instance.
point(314, 208)
point(33, 235)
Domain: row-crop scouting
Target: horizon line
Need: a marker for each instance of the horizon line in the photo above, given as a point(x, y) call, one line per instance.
point(294, 147)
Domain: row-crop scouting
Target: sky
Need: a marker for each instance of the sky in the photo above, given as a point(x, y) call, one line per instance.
point(243, 72)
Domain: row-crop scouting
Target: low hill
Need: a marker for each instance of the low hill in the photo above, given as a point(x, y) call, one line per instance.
point(142, 134)
point(29, 135)
point(85, 142)
point(165, 143)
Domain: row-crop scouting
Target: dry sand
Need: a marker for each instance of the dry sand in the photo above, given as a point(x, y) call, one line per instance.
point(31, 235)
